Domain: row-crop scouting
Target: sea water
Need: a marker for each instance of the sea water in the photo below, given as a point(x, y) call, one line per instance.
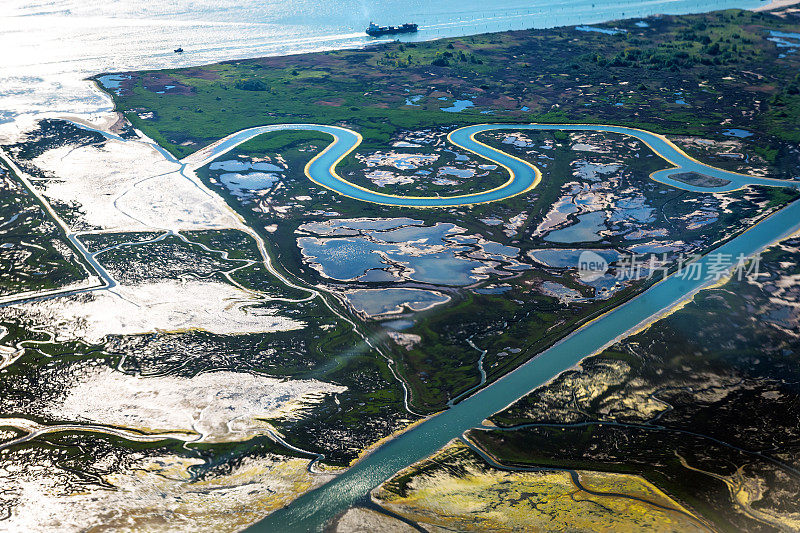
point(51, 46)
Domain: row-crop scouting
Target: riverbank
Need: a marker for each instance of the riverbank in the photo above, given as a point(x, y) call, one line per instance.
point(312, 511)
point(414, 85)
point(319, 87)
point(523, 176)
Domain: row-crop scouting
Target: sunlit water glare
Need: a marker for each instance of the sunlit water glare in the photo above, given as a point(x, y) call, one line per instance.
point(50, 47)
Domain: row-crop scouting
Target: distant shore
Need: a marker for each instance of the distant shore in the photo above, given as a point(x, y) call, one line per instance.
point(777, 4)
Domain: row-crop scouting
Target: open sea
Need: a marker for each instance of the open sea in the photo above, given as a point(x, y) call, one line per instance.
point(48, 47)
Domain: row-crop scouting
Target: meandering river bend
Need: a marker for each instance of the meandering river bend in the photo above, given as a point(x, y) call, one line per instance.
point(523, 176)
point(314, 509)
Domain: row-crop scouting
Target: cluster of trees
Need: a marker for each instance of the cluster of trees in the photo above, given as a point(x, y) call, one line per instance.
point(692, 46)
point(251, 85)
point(783, 102)
point(394, 59)
point(445, 58)
point(793, 87)
point(672, 57)
point(784, 111)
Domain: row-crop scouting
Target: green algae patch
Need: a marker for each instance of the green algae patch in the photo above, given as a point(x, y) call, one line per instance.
point(456, 490)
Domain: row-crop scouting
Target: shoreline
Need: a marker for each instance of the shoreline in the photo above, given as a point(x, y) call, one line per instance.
point(104, 123)
point(776, 4)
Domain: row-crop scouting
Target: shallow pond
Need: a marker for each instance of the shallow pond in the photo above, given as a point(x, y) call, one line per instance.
point(441, 268)
point(556, 258)
point(350, 258)
point(458, 105)
point(342, 259)
point(734, 132)
point(376, 302)
point(113, 81)
point(587, 229)
point(240, 184)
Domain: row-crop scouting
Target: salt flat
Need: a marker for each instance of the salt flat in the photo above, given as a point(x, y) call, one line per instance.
point(167, 305)
point(128, 186)
point(217, 406)
point(154, 494)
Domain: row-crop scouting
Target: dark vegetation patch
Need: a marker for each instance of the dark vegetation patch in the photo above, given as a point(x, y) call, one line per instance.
point(713, 386)
point(34, 253)
point(699, 180)
point(559, 75)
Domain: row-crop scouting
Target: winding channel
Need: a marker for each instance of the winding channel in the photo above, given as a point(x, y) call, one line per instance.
point(311, 511)
point(523, 176)
point(576, 481)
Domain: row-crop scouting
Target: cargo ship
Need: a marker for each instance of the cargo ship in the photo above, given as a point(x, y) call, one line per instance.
point(376, 31)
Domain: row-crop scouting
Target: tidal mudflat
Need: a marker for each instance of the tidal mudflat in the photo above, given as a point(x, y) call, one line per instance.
point(232, 317)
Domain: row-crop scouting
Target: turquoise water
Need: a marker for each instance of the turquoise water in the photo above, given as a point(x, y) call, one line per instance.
point(458, 105)
point(311, 511)
point(523, 173)
point(784, 39)
point(786, 35)
point(735, 132)
point(112, 82)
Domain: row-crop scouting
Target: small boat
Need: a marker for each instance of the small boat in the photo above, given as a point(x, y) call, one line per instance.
point(179, 50)
point(376, 31)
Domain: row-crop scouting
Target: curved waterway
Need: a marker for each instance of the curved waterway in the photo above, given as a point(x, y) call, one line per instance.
point(311, 511)
point(523, 176)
